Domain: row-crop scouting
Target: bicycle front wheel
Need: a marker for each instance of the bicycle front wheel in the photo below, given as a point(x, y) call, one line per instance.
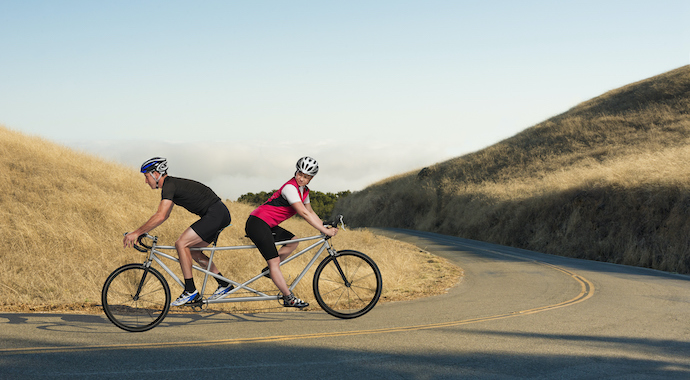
point(135, 298)
point(348, 284)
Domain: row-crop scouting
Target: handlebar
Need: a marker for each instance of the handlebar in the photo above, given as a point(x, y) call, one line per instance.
point(142, 247)
point(143, 244)
point(334, 223)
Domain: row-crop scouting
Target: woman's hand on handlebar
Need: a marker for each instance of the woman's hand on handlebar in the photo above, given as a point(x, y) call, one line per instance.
point(330, 231)
point(332, 227)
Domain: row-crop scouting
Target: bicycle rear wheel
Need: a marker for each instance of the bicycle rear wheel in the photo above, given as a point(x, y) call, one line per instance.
point(135, 298)
point(348, 284)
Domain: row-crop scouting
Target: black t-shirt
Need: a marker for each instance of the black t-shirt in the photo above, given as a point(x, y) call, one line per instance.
point(192, 195)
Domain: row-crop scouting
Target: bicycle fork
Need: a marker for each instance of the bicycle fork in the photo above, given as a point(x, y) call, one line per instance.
point(147, 265)
point(334, 254)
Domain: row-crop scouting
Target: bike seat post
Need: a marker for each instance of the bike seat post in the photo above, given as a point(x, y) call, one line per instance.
point(214, 243)
point(210, 257)
point(208, 268)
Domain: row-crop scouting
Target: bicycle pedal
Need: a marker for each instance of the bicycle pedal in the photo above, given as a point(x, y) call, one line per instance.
point(197, 302)
point(196, 305)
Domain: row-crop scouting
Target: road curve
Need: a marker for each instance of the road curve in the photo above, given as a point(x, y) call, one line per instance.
point(515, 314)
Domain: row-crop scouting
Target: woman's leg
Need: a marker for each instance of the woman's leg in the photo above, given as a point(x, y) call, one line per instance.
point(286, 250)
point(277, 275)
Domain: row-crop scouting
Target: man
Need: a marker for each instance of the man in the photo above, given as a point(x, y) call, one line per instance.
point(197, 199)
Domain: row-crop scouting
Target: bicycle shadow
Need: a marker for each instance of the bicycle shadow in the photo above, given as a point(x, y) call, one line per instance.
point(207, 317)
point(99, 323)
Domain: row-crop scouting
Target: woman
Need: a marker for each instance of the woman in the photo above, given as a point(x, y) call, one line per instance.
point(262, 226)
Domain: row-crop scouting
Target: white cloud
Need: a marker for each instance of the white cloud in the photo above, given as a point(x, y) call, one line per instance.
point(233, 169)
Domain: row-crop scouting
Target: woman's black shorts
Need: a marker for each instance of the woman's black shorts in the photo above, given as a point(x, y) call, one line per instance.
point(264, 237)
point(209, 226)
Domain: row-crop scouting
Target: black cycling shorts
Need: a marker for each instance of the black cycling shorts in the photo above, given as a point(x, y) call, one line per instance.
point(264, 237)
point(209, 226)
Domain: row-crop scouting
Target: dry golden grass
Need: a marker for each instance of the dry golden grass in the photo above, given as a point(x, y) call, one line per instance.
point(607, 180)
point(64, 213)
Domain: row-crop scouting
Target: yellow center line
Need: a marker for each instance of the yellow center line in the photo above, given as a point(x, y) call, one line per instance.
point(586, 292)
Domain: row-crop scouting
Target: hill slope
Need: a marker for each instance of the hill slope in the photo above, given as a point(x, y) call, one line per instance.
point(606, 180)
point(64, 213)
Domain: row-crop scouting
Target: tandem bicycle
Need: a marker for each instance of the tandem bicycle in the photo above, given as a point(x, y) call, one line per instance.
point(136, 297)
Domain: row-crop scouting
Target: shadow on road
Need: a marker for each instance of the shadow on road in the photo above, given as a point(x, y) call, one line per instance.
point(89, 322)
point(294, 360)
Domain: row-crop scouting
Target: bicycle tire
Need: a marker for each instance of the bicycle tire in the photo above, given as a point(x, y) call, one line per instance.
point(347, 285)
point(130, 306)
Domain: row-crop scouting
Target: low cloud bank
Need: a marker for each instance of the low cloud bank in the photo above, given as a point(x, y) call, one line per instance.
point(233, 169)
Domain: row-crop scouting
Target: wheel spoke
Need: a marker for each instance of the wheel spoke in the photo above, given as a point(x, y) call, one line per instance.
point(347, 285)
point(131, 311)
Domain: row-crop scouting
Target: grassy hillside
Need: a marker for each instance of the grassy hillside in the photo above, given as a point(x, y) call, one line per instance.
point(607, 180)
point(64, 213)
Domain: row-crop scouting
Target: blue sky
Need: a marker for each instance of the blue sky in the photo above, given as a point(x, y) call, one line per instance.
point(234, 92)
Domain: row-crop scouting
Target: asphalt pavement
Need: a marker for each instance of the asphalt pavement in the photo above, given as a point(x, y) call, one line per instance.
point(516, 314)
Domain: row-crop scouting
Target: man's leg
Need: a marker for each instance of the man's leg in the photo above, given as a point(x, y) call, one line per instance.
point(187, 240)
point(190, 239)
point(201, 258)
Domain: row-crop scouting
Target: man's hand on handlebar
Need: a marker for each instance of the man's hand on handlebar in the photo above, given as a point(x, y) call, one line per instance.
point(133, 240)
point(130, 239)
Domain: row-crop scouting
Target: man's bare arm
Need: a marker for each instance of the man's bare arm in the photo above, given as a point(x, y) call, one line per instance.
point(164, 210)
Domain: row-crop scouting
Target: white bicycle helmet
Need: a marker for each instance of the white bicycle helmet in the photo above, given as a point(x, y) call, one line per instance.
point(156, 164)
point(308, 166)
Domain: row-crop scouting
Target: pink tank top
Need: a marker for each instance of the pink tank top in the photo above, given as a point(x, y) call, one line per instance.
point(277, 209)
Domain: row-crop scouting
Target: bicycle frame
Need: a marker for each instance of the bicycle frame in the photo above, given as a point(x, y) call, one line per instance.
point(347, 284)
point(156, 255)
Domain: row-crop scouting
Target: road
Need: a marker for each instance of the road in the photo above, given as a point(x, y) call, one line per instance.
point(516, 314)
